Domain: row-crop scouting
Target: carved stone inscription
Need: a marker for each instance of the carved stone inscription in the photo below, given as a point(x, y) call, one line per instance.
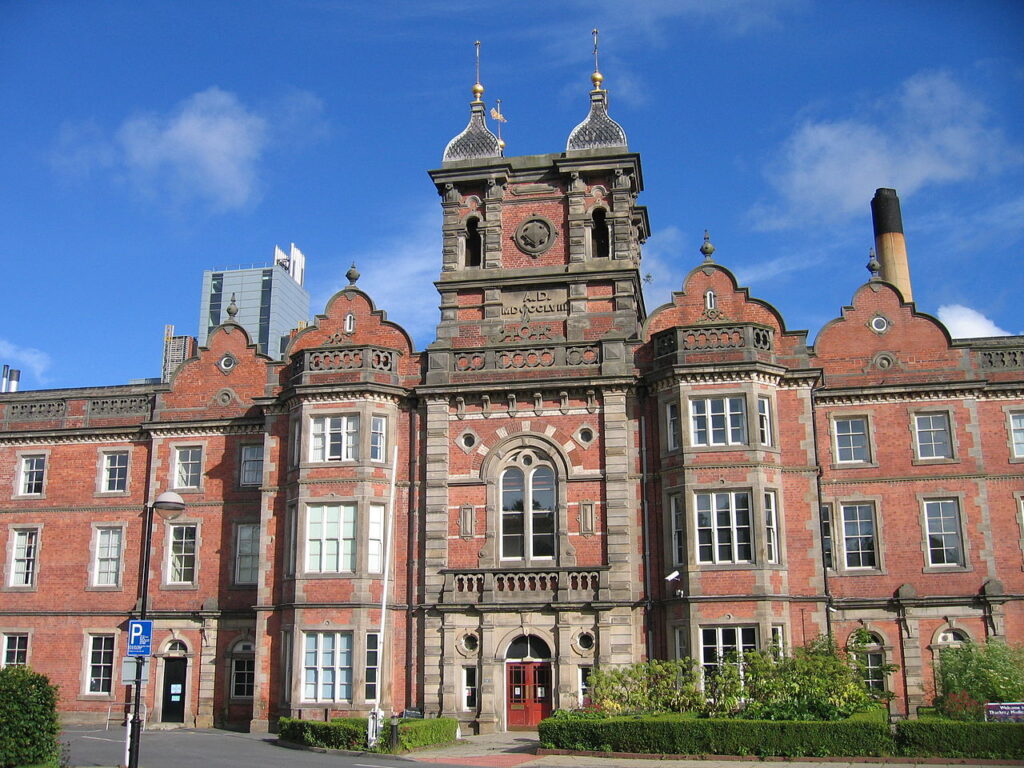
point(543, 301)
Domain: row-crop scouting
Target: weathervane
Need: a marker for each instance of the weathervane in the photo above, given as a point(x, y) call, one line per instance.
point(597, 78)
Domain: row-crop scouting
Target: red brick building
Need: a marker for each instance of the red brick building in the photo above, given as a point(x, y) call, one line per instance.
point(568, 480)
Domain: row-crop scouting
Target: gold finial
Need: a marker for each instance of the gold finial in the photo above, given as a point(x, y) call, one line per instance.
point(478, 90)
point(597, 78)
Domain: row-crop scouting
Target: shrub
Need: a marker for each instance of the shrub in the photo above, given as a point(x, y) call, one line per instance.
point(672, 734)
point(28, 717)
point(341, 733)
point(652, 686)
point(350, 733)
point(413, 734)
point(976, 673)
point(818, 682)
point(943, 738)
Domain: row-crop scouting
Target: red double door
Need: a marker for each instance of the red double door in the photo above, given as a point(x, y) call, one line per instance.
point(528, 692)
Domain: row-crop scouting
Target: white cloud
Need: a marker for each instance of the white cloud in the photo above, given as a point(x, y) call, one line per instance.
point(398, 274)
point(966, 323)
point(931, 131)
point(668, 255)
point(208, 149)
point(35, 361)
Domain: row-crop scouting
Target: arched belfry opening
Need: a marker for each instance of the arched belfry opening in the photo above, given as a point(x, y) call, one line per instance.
point(474, 244)
point(599, 234)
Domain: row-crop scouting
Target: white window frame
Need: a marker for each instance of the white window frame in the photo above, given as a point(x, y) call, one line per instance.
point(745, 640)
point(583, 682)
point(718, 421)
point(182, 553)
point(371, 679)
point(111, 472)
point(947, 528)
point(873, 659)
point(291, 544)
point(105, 668)
point(325, 667)
point(24, 562)
point(182, 476)
point(103, 573)
point(717, 538)
point(335, 540)
point(16, 649)
point(1016, 427)
point(247, 553)
point(470, 688)
point(930, 431)
point(334, 438)
point(375, 538)
point(532, 515)
point(378, 438)
point(764, 420)
point(846, 446)
point(678, 519)
point(673, 427)
point(250, 465)
point(778, 640)
point(32, 474)
point(872, 518)
point(771, 527)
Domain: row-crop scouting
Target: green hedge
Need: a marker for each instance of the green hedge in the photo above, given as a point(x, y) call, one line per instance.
point(350, 733)
point(672, 734)
point(948, 738)
point(863, 735)
point(28, 717)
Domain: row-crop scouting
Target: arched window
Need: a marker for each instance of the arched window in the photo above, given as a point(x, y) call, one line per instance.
point(709, 300)
point(176, 648)
point(243, 670)
point(528, 648)
point(599, 234)
point(953, 636)
point(350, 323)
point(870, 653)
point(528, 508)
point(474, 245)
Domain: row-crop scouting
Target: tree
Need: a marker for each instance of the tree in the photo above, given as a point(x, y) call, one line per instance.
point(28, 717)
point(976, 673)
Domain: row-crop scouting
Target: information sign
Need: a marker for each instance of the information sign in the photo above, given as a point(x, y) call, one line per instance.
point(140, 638)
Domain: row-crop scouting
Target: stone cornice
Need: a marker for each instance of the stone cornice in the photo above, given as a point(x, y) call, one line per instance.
point(917, 479)
point(79, 435)
point(163, 429)
point(902, 393)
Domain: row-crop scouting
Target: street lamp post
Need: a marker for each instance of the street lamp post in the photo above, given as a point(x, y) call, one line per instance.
point(169, 505)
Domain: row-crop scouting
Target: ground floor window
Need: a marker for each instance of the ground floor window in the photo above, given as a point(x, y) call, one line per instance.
point(243, 671)
point(372, 665)
point(585, 685)
point(469, 688)
point(101, 663)
point(720, 645)
point(327, 666)
point(15, 650)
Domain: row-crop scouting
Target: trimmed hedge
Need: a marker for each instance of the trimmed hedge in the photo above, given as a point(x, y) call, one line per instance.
point(672, 734)
point(28, 717)
point(342, 733)
point(866, 734)
point(350, 733)
point(946, 738)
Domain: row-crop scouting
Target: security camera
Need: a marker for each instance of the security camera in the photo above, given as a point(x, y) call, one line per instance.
point(672, 576)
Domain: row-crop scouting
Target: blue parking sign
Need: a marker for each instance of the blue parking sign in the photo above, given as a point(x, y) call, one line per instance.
point(140, 638)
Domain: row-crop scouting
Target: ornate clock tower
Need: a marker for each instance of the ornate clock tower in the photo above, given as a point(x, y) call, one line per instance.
point(531, 565)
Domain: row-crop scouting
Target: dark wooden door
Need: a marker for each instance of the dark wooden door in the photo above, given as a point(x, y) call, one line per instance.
point(175, 674)
point(528, 692)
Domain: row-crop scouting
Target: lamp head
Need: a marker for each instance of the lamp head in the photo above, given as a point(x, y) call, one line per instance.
point(169, 505)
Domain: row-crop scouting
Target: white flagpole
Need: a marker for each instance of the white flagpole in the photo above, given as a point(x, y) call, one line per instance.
point(376, 719)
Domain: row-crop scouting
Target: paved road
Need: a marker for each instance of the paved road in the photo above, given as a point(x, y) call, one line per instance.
point(91, 746)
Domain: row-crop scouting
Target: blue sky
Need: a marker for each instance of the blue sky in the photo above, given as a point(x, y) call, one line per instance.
point(144, 142)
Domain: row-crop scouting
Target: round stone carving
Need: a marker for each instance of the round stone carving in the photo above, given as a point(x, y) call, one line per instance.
point(535, 235)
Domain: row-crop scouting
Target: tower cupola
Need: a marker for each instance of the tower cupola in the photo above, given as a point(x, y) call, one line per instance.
point(476, 142)
point(598, 130)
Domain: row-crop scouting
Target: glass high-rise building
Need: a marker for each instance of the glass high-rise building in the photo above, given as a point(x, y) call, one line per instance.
point(271, 300)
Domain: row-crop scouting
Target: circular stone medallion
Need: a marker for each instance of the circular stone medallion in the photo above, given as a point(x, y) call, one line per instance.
point(535, 235)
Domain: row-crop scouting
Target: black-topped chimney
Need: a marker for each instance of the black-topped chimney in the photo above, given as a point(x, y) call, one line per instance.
point(890, 244)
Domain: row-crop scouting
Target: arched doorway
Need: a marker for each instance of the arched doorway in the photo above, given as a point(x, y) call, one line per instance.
point(172, 708)
point(528, 682)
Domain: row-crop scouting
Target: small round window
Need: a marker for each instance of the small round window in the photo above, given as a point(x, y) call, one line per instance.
point(471, 642)
point(468, 440)
point(879, 324)
point(586, 641)
point(227, 363)
point(586, 434)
